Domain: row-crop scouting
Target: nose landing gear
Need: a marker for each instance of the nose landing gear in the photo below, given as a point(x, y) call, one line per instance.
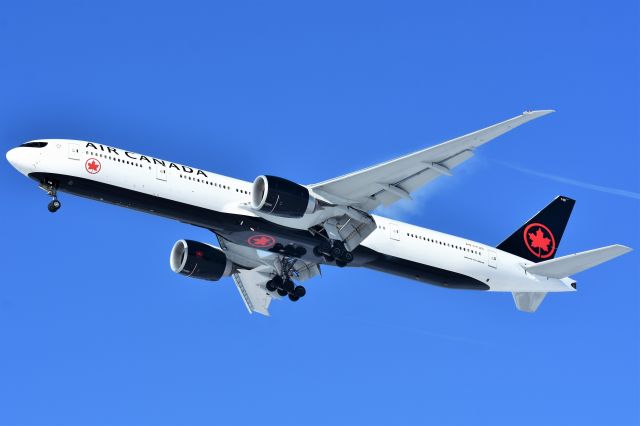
point(54, 205)
point(52, 190)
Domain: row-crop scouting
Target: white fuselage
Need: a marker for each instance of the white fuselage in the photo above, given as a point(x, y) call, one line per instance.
point(499, 270)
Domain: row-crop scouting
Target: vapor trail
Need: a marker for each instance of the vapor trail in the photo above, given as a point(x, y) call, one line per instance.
point(586, 185)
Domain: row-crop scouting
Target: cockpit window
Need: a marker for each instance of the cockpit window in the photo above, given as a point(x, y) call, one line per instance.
point(34, 144)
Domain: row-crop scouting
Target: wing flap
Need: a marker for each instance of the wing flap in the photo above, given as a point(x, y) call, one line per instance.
point(431, 172)
point(251, 285)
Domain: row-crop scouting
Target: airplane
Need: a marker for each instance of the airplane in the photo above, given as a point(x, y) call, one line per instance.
point(274, 234)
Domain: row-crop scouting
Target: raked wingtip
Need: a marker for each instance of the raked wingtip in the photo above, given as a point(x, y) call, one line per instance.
point(623, 249)
point(538, 113)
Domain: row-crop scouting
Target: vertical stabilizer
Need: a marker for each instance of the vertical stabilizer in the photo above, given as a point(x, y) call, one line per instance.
point(539, 238)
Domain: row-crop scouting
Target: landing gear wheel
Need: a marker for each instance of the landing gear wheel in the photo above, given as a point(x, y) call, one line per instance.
point(54, 206)
point(288, 286)
point(299, 291)
point(281, 292)
point(51, 188)
point(270, 286)
point(293, 297)
point(277, 281)
point(337, 251)
point(341, 264)
point(348, 257)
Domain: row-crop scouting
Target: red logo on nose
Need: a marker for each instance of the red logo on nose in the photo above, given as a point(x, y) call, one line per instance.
point(261, 241)
point(539, 240)
point(93, 166)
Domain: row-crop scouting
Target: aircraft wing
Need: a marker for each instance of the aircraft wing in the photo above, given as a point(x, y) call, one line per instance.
point(255, 267)
point(388, 182)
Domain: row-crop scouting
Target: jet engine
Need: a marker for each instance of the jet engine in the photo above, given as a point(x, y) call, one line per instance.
point(198, 260)
point(281, 197)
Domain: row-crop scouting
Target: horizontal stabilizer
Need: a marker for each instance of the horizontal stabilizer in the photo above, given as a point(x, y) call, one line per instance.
point(528, 302)
point(565, 266)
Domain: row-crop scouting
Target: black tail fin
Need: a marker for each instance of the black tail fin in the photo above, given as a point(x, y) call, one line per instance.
point(539, 238)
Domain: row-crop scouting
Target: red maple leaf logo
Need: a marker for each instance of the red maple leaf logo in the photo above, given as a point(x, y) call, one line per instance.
point(261, 241)
point(538, 240)
point(92, 165)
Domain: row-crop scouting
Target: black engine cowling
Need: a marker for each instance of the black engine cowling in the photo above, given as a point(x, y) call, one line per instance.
point(281, 197)
point(198, 260)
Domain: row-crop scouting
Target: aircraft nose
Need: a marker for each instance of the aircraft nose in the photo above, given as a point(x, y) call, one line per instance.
point(12, 156)
point(17, 158)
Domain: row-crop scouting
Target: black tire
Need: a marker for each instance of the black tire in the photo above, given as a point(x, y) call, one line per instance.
point(341, 264)
point(300, 291)
point(281, 292)
point(277, 281)
point(348, 256)
point(52, 208)
point(337, 251)
point(293, 297)
point(56, 204)
point(270, 286)
point(288, 286)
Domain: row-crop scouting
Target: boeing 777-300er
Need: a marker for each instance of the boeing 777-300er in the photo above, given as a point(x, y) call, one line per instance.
point(274, 233)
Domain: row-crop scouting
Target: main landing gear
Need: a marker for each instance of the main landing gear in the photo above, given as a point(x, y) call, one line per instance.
point(283, 284)
point(286, 286)
point(334, 251)
point(52, 190)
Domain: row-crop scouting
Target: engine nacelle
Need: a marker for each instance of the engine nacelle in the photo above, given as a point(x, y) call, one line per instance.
point(198, 260)
point(281, 197)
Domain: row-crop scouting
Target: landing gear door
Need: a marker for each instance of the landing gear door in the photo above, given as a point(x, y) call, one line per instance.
point(492, 258)
point(161, 172)
point(74, 151)
point(394, 232)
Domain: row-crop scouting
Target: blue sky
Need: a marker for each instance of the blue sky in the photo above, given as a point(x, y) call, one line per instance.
point(96, 330)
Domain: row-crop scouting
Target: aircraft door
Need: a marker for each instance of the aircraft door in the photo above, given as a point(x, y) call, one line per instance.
point(74, 151)
point(161, 172)
point(394, 232)
point(492, 258)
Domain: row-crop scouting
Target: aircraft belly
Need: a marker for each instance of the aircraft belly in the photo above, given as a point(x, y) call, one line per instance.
point(253, 231)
